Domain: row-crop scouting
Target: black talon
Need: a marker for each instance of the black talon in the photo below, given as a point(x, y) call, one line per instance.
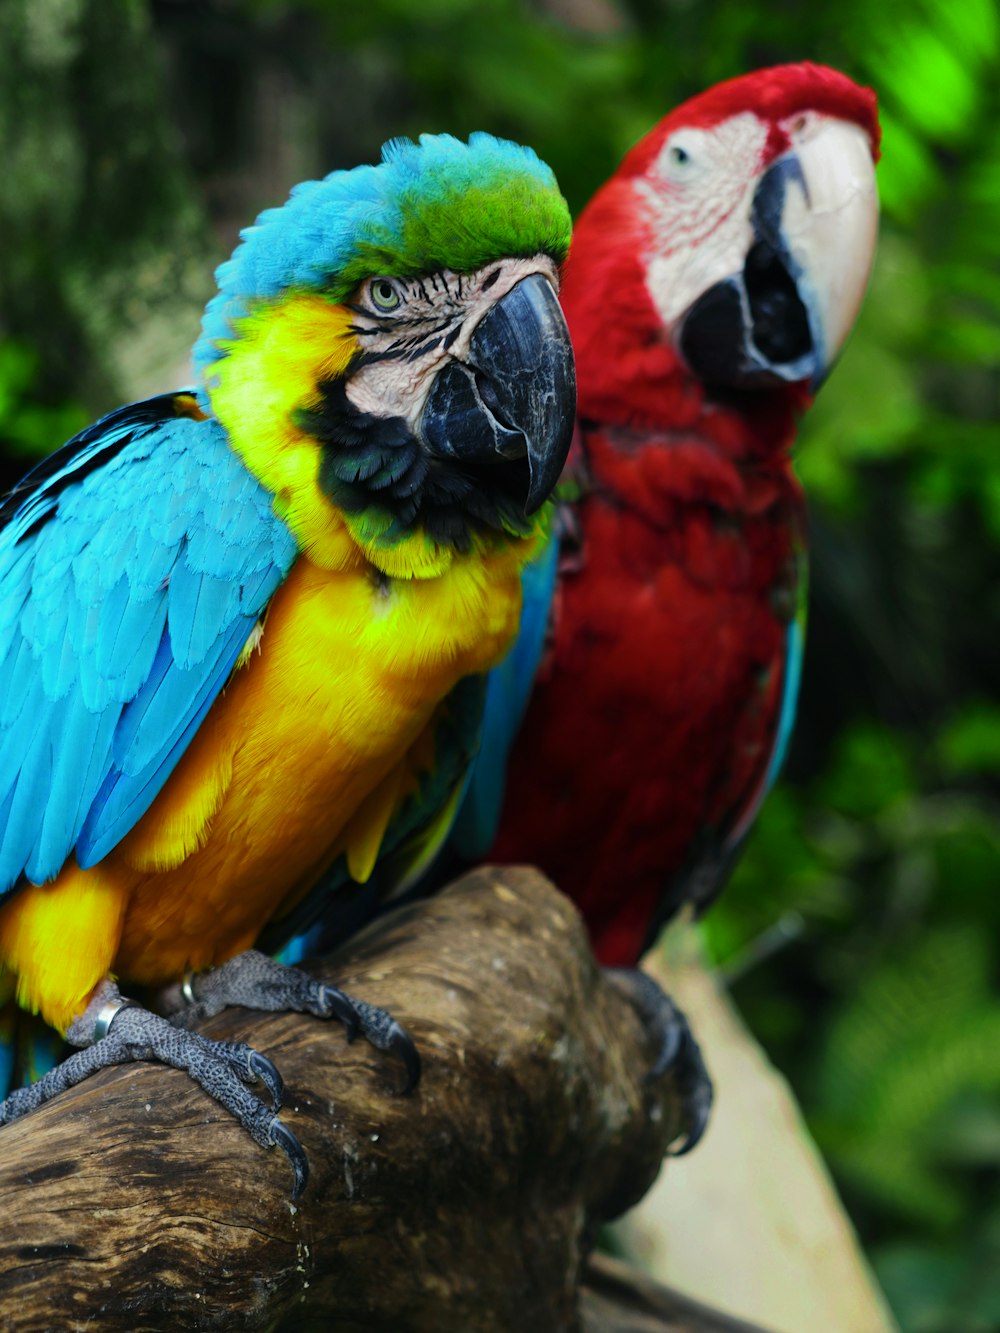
point(670, 1046)
point(697, 1091)
point(677, 1052)
point(693, 1136)
point(337, 1004)
point(282, 1137)
point(267, 1072)
point(405, 1047)
point(385, 1034)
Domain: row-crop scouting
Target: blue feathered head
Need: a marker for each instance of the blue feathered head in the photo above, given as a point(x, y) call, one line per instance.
point(436, 204)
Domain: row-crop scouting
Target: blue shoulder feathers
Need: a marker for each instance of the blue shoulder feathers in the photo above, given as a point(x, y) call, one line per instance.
point(134, 564)
point(508, 693)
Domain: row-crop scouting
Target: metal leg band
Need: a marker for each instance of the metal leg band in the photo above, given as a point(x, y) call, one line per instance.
point(108, 1014)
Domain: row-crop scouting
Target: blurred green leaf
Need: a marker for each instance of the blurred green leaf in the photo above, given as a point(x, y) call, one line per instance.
point(871, 769)
point(971, 743)
point(29, 428)
point(923, 1284)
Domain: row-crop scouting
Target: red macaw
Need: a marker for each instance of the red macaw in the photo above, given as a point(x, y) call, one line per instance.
point(711, 283)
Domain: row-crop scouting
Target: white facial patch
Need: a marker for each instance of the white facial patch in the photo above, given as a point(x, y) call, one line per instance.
point(433, 323)
point(698, 196)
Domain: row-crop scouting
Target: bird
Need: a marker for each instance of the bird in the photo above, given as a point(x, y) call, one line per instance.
point(235, 620)
point(634, 729)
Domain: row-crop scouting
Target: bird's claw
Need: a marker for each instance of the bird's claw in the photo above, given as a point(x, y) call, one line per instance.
point(386, 1034)
point(335, 1004)
point(677, 1052)
point(695, 1087)
point(254, 980)
point(405, 1047)
point(265, 1071)
point(282, 1137)
point(670, 1045)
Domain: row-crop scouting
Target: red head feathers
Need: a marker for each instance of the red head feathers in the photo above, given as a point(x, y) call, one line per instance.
point(729, 250)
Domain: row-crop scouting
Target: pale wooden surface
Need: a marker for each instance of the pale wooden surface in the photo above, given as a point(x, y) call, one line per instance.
point(617, 1299)
point(750, 1221)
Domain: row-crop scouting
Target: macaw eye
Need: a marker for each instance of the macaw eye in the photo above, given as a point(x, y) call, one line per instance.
point(683, 158)
point(384, 294)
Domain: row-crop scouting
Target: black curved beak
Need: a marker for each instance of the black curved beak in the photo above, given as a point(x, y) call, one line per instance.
point(757, 325)
point(513, 396)
point(784, 317)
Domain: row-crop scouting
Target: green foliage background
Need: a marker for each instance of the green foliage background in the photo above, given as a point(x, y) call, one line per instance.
point(862, 932)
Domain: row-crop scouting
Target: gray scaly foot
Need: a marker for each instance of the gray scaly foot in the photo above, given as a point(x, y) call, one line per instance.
point(115, 1031)
point(258, 982)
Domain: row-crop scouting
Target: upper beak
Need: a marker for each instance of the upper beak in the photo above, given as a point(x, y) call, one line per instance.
point(814, 219)
point(513, 396)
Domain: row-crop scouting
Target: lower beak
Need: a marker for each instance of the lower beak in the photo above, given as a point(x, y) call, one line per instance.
point(786, 315)
point(513, 396)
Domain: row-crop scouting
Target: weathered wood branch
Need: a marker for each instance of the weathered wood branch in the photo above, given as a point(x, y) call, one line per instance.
point(134, 1203)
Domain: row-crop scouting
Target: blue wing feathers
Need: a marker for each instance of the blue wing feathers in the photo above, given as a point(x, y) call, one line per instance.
point(60, 789)
point(123, 655)
point(162, 707)
point(19, 736)
point(196, 605)
point(794, 648)
point(134, 563)
point(17, 673)
point(508, 692)
point(791, 679)
point(37, 493)
point(32, 791)
point(77, 774)
point(158, 742)
point(258, 587)
point(6, 801)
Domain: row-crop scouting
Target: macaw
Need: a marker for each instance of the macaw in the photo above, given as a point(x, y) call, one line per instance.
point(710, 286)
point(235, 621)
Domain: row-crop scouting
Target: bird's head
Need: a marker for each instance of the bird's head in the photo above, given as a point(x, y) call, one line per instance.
point(388, 355)
point(734, 242)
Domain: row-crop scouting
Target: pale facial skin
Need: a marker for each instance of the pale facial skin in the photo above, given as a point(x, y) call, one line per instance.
point(698, 196)
point(410, 327)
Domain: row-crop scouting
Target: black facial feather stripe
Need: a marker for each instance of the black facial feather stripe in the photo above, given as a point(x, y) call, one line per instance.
point(405, 349)
point(375, 463)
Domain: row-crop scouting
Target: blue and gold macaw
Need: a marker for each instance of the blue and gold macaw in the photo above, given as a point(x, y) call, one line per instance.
point(234, 622)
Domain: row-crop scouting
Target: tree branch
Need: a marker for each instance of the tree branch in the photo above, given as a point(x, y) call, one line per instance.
point(134, 1203)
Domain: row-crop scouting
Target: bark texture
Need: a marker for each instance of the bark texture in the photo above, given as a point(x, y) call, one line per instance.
point(134, 1203)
